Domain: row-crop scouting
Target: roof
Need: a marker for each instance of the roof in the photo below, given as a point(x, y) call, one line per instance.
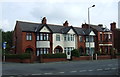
point(35, 27)
point(99, 28)
point(27, 26)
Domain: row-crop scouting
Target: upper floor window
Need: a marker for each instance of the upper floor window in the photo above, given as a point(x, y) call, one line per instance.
point(57, 37)
point(43, 36)
point(100, 37)
point(28, 36)
point(106, 37)
point(69, 37)
point(89, 39)
point(81, 38)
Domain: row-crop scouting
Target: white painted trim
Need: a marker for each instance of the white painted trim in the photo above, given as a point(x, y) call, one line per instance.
point(71, 31)
point(107, 33)
point(45, 29)
point(92, 33)
point(42, 44)
point(92, 44)
point(105, 44)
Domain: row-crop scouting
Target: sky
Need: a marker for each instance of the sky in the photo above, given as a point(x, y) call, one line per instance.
point(57, 12)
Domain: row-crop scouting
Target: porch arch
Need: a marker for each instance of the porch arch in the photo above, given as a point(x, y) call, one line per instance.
point(58, 49)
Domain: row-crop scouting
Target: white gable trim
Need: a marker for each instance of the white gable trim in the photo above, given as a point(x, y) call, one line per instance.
point(45, 29)
point(71, 31)
point(92, 33)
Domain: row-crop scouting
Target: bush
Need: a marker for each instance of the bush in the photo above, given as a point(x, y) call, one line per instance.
point(12, 56)
point(57, 55)
point(117, 54)
point(18, 56)
point(85, 55)
point(25, 56)
point(75, 53)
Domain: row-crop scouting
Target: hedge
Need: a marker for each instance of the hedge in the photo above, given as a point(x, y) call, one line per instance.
point(57, 55)
point(75, 53)
point(18, 56)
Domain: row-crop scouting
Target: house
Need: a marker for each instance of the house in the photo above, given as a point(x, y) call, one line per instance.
point(116, 33)
point(103, 39)
point(43, 38)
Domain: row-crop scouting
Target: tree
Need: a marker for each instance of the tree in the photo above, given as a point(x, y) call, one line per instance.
point(8, 37)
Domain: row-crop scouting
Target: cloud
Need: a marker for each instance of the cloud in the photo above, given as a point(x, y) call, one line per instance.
point(57, 11)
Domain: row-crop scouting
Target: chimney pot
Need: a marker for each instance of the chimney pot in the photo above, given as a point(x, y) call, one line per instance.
point(44, 20)
point(66, 23)
point(113, 26)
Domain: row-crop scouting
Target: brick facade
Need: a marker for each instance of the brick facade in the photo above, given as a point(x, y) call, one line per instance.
point(101, 34)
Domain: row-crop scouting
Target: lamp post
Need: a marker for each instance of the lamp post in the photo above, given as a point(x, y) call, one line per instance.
point(4, 47)
point(89, 28)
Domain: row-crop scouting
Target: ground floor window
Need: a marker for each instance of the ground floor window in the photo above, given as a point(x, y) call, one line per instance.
point(42, 51)
point(90, 51)
point(68, 49)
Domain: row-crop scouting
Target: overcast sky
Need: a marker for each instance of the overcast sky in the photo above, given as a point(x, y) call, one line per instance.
point(57, 11)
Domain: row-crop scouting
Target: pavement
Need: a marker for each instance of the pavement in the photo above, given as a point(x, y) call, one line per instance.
point(91, 67)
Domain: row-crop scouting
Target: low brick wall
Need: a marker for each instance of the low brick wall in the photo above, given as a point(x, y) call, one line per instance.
point(102, 57)
point(44, 60)
point(19, 60)
point(82, 58)
point(118, 57)
point(13, 60)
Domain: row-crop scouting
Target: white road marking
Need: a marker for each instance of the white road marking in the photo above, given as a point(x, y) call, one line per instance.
point(90, 70)
point(36, 74)
point(73, 71)
point(113, 68)
point(11, 76)
point(99, 69)
point(48, 73)
point(109, 64)
point(82, 70)
point(107, 69)
point(61, 72)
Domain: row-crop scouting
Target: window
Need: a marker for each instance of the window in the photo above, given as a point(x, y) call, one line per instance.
point(42, 51)
point(81, 38)
point(65, 38)
point(87, 38)
point(57, 37)
point(106, 37)
point(91, 39)
point(68, 49)
point(37, 36)
point(42, 36)
point(69, 37)
point(100, 37)
point(28, 36)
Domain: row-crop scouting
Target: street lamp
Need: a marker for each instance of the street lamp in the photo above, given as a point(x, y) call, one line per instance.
point(89, 27)
point(4, 47)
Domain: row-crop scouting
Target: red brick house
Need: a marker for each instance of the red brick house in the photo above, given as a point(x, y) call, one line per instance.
point(116, 39)
point(103, 39)
point(43, 38)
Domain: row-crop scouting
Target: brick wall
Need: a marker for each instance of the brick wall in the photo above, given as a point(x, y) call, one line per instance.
point(17, 39)
point(28, 43)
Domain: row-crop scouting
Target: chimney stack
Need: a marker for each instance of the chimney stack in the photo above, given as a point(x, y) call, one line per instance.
point(66, 23)
point(85, 26)
point(113, 26)
point(44, 20)
point(100, 25)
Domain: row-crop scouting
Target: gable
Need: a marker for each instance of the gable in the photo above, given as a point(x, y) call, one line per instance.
point(45, 29)
point(71, 31)
point(92, 33)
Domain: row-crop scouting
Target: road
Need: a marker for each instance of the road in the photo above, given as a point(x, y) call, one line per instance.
point(95, 67)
